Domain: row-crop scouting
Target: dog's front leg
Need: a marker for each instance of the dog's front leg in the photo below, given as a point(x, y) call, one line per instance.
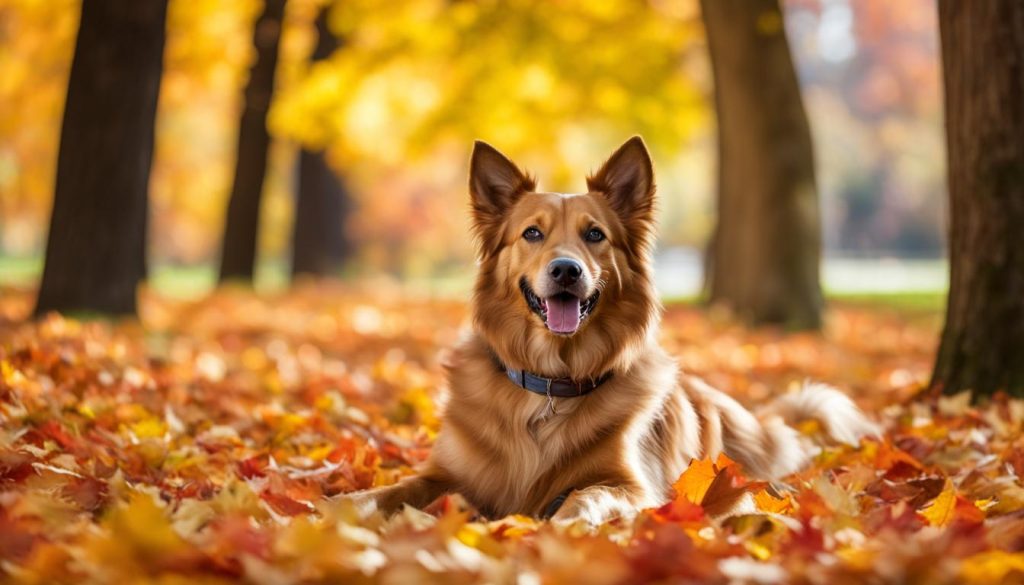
point(418, 492)
point(598, 504)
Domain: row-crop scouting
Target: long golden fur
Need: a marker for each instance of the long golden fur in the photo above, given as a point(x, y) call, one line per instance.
point(618, 448)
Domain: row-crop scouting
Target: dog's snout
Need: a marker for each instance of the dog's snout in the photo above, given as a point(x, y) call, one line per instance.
point(565, 271)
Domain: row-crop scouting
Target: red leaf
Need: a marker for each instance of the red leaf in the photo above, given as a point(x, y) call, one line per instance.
point(285, 505)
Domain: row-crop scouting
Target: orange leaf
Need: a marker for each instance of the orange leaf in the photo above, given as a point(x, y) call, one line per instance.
point(723, 461)
point(724, 492)
point(695, 481)
point(770, 504)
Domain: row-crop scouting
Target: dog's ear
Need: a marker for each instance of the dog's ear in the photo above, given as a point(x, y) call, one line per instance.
point(627, 181)
point(495, 182)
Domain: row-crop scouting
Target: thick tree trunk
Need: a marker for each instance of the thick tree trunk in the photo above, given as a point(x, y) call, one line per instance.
point(96, 250)
point(241, 228)
point(983, 65)
point(319, 245)
point(763, 259)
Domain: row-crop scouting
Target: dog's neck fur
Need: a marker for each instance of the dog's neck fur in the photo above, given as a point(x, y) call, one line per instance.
point(608, 341)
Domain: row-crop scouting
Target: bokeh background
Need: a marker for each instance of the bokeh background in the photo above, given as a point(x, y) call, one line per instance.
point(556, 85)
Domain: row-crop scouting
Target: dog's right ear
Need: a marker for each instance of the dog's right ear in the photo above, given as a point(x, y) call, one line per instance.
point(495, 182)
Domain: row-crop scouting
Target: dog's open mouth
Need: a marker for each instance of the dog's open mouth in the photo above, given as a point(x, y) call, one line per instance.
point(562, 313)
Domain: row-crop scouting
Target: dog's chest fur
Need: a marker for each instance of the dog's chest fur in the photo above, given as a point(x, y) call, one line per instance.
point(508, 452)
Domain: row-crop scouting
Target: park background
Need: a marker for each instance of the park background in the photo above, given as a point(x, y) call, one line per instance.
point(232, 259)
point(399, 102)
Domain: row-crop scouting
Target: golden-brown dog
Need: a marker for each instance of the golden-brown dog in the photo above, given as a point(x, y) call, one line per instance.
point(561, 400)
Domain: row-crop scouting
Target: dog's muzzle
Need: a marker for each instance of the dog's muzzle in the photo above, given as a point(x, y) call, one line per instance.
point(562, 313)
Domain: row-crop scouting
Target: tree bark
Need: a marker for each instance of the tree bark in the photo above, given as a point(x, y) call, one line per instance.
point(96, 248)
point(241, 228)
point(763, 258)
point(982, 346)
point(319, 245)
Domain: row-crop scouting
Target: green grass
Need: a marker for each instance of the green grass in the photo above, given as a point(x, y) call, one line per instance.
point(189, 282)
point(20, 272)
point(917, 301)
point(175, 281)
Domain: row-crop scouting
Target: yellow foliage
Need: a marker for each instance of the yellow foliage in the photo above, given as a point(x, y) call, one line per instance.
point(397, 107)
point(992, 566)
point(941, 511)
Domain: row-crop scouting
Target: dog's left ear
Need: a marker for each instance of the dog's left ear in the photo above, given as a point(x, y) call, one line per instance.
point(627, 181)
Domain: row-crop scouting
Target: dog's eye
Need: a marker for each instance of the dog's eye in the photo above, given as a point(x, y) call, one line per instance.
point(595, 235)
point(532, 234)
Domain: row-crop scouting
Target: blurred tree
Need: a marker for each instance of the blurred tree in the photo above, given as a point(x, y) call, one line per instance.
point(238, 251)
point(982, 345)
point(764, 254)
point(556, 84)
point(319, 244)
point(96, 248)
point(424, 72)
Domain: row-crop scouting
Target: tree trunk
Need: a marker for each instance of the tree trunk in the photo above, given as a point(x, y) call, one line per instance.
point(982, 345)
point(319, 245)
point(764, 256)
point(241, 228)
point(96, 249)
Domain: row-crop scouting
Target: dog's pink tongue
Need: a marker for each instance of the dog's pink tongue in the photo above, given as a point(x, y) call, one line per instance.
point(563, 314)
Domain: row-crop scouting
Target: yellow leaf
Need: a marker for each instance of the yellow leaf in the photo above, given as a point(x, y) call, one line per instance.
point(149, 428)
point(6, 371)
point(984, 504)
point(758, 550)
point(991, 566)
point(320, 453)
point(857, 558)
point(476, 536)
point(940, 511)
point(143, 527)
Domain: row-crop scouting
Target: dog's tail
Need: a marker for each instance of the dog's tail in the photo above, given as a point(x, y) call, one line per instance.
point(767, 445)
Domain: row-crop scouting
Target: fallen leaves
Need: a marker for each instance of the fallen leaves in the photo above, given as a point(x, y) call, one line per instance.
point(212, 445)
point(942, 510)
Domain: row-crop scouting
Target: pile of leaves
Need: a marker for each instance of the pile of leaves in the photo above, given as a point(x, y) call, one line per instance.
point(211, 443)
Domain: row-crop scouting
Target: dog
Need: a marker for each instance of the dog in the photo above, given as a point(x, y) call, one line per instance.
point(562, 404)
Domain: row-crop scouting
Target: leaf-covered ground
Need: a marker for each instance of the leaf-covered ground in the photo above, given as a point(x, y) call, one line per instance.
point(209, 445)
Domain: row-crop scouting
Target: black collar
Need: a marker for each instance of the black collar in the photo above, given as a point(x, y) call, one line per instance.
point(555, 387)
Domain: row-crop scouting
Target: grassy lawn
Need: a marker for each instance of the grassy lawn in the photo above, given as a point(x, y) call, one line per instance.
point(190, 282)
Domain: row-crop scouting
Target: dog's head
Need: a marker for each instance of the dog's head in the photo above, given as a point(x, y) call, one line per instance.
point(564, 285)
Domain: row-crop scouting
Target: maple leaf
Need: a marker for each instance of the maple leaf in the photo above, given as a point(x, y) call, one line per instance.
point(949, 506)
point(766, 502)
point(716, 487)
point(696, 480)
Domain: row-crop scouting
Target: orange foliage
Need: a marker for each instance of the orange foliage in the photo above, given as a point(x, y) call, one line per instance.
point(211, 443)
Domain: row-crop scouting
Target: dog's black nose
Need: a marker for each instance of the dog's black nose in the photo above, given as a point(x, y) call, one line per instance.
point(565, 271)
